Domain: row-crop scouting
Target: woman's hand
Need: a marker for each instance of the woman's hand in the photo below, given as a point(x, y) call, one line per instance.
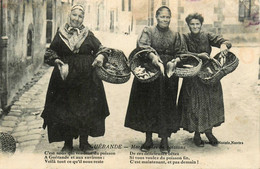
point(224, 49)
point(99, 61)
point(171, 65)
point(204, 55)
point(157, 62)
point(58, 62)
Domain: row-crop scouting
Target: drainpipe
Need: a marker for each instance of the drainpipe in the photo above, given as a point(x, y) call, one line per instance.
point(3, 56)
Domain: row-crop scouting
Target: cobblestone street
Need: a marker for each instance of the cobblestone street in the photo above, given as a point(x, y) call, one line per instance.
point(241, 97)
point(23, 121)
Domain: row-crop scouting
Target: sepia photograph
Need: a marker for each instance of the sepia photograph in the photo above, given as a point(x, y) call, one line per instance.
point(118, 84)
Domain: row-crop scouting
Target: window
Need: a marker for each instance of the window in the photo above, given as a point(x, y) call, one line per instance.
point(29, 41)
point(123, 5)
point(117, 14)
point(164, 2)
point(49, 31)
point(129, 5)
point(49, 10)
point(29, 45)
point(49, 17)
point(111, 21)
point(248, 10)
point(150, 12)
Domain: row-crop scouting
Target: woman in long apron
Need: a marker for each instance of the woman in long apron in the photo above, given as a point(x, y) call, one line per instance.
point(201, 105)
point(75, 103)
point(152, 106)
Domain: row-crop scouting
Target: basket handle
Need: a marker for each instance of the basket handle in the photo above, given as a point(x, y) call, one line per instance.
point(186, 55)
point(142, 51)
point(110, 50)
point(105, 50)
point(145, 50)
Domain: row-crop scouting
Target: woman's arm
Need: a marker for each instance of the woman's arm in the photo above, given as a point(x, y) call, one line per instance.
point(144, 43)
point(51, 57)
point(97, 47)
point(220, 42)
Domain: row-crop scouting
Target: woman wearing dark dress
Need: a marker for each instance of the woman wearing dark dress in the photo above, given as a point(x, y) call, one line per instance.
point(75, 104)
point(152, 106)
point(201, 105)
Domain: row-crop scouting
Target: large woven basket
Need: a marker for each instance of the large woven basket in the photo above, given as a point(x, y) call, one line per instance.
point(118, 59)
point(137, 58)
point(7, 144)
point(182, 71)
point(212, 71)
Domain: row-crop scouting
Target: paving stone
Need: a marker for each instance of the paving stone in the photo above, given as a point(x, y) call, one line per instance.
point(36, 112)
point(9, 123)
point(28, 149)
point(15, 107)
point(36, 131)
point(23, 123)
point(35, 122)
point(27, 95)
point(20, 134)
point(32, 109)
point(15, 113)
point(25, 99)
point(16, 110)
point(21, 103)
point(30, 118)
point(29, 137)
point(10, 118)
point(21, 128)
point(24, 107)
point(29, 92)
point(29, 143)
point(35, 105)
point(39, 117)
point(6, 129)
point(37, 85)
point(32, 91)
point(35, 126)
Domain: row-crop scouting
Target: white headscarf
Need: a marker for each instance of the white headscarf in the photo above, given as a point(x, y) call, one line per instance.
point(74, 37)
point(78, 6)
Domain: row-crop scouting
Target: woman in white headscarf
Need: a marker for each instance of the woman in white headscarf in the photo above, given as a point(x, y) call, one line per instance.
point(75, 103)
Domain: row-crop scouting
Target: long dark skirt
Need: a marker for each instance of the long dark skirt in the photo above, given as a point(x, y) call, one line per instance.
point(77, 105)
point(152, 107)
point(201, 105)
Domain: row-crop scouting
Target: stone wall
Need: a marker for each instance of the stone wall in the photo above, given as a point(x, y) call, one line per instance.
point(24, 23)
point(222, 17)
point(23, 19)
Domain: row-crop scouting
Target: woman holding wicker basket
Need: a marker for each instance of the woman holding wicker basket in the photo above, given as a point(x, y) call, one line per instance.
point(75, 103)
point(201, 105)
point(152, 105)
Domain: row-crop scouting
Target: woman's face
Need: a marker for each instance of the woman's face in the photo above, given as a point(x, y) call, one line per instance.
point(164, 18)
point(76, 18)
point(195, 26)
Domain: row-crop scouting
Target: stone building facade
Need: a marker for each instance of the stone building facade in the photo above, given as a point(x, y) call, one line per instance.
point(234, 18)
point(26, 27)
point(237, 20)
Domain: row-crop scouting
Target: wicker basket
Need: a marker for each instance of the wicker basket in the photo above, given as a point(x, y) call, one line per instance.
point(118, 59)
point(138, 59)
point(192, 60)
point(7, 144)
point(218, 71)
